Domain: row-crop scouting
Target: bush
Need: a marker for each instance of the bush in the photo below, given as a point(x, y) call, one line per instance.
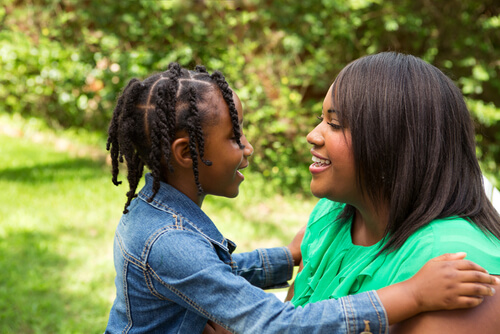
point(66, 61)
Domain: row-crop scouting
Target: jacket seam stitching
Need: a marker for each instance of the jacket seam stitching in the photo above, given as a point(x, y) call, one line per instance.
point(378, 314)
point(181, 295)
point(127, 300)
point(154, 236)
point(265, 261)
point(348, 309)
point(126, 255)
point(150, 285)
point(289, 261)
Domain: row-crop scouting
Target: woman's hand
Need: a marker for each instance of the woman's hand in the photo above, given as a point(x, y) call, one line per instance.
point(213, 328)
point(294, 246)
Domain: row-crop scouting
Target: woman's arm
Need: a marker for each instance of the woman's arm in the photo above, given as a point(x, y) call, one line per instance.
point(289, 294)
point(444, 283)
point(484, 319)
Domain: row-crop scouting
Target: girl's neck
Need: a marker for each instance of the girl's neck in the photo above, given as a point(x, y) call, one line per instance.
point(188, 188)
point(369, 224)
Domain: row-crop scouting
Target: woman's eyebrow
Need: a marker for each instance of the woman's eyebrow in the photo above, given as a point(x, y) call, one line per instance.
point(331, 111)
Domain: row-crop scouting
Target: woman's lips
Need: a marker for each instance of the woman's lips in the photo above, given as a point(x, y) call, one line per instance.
point(319, 163)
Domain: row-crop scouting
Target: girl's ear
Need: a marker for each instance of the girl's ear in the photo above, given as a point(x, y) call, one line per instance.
point(180, 152)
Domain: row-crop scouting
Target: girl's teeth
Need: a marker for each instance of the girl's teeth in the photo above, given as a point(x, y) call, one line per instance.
point(320, 162)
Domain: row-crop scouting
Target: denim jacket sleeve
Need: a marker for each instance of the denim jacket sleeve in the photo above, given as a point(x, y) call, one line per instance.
point(199, 281)
point(267, 268)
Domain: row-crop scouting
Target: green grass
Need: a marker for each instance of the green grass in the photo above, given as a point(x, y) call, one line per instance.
point(58, 213)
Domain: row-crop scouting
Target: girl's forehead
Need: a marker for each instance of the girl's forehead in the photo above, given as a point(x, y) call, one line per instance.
point(237, 102)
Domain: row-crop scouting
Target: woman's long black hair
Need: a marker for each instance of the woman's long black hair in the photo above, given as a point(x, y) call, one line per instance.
point(413, 143)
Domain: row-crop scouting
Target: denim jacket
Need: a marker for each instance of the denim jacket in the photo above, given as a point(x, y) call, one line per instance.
point(175, 270)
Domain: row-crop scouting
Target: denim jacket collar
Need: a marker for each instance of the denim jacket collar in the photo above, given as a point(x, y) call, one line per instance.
point(177, 201)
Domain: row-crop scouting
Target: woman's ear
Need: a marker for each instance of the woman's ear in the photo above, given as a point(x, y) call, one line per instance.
point(181, 154)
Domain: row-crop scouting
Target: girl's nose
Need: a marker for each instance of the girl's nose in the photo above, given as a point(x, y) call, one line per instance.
point(248, 150)
point(315, 138)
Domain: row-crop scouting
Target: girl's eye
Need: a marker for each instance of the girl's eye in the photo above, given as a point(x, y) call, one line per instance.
point(320, 117)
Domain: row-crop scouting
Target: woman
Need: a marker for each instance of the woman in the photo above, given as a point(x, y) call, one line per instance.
point(394, 163)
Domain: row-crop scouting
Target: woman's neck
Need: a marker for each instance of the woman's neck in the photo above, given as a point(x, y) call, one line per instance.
point(369, 224)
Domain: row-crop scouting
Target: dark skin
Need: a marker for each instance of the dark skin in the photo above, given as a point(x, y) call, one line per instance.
point(446, 282)
point(483, 318)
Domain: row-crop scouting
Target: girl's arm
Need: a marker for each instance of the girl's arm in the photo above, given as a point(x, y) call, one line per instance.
point(444, 283)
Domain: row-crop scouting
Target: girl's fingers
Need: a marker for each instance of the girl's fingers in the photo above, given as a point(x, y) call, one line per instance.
point(466, 265)
point(477, 277)
point(468, 301)
point(475, 290)
point(450, 256)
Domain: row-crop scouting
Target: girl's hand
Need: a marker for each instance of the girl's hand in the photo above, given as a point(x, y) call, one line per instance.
point(449, 282)
point(444, 283)
point(294, 246)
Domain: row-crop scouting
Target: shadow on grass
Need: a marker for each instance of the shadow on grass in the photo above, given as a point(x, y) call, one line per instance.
point(79, 168)
point(31, 281)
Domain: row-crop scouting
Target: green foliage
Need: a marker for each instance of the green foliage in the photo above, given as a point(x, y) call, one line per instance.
point(66, 61)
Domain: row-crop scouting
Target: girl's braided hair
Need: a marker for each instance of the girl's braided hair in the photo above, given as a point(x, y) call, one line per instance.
point(149, 113)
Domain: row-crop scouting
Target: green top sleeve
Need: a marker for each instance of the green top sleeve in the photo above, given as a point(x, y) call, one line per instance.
point(335, 267)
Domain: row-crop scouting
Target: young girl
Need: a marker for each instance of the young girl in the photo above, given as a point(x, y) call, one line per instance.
point(174, 269)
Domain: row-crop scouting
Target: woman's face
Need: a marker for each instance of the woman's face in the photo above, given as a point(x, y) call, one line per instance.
point(333, 173)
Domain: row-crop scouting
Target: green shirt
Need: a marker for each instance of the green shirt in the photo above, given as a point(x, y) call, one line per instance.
point(334, 267)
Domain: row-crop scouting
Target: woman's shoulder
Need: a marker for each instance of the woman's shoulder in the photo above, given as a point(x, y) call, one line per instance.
point(483, 318)
point(325, 209)
point(462, 230)
point(457, 234)
point(452, 229)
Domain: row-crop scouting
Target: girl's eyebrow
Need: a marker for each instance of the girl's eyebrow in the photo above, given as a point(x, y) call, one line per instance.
point(331, 111)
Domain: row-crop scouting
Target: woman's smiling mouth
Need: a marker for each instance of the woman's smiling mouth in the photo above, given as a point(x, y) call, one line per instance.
point(319, 163)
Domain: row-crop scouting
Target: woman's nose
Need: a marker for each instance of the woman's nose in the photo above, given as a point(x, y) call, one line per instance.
point(314, 137)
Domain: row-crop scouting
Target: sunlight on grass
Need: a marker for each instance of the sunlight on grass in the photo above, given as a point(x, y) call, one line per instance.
point(58, 216)
point(59, 211)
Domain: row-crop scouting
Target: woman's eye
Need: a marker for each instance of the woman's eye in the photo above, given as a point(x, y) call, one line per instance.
point(335, 126)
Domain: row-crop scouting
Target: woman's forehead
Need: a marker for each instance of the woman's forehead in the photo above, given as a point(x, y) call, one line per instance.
point(328, 100)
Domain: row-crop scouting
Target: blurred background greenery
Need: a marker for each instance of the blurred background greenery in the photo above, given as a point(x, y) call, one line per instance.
point(63, 63)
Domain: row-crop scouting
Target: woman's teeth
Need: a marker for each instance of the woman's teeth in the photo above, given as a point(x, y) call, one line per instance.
point(320, 162)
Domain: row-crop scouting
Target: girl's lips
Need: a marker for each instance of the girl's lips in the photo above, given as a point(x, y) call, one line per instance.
point(239, 173)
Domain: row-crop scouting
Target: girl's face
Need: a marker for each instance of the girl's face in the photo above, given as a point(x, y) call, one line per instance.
point(223, 177)
point(333, 173)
